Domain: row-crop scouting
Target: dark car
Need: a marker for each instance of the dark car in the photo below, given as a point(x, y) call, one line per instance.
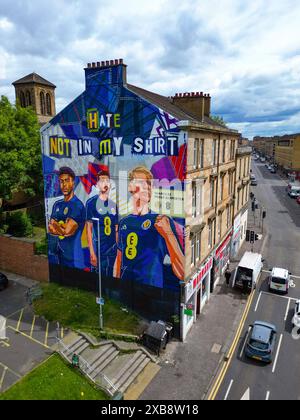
point(253, 182)
point(3, 282)
point(261, 342)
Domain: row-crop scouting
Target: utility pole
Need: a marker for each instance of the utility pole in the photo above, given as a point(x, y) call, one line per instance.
point(99, 273)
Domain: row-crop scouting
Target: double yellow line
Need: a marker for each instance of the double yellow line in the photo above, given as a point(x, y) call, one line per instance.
point(226, 364)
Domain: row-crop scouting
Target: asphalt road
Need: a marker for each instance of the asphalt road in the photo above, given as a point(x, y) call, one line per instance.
point(246, 379)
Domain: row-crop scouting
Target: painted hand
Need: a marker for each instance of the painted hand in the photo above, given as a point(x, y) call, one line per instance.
point(162, 225)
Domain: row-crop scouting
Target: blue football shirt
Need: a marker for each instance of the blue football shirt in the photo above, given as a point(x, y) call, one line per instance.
point(69, 249)
point(107, 213)
point(143, 249)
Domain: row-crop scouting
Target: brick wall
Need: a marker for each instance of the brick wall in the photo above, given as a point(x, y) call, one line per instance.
point(17, 256)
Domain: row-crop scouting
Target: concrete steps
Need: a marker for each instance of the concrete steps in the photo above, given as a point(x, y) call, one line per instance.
point(108, 365)
point(130, 370)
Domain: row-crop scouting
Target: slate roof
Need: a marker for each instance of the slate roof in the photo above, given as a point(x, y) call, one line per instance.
point(34, 78)
point(165, 103)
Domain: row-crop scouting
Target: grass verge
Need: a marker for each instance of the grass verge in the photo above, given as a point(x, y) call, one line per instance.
point(53, 380)
point(77, 309)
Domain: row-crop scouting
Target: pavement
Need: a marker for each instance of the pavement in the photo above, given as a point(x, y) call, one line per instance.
point(189, 368)
point(244, 379)
point(29, 339)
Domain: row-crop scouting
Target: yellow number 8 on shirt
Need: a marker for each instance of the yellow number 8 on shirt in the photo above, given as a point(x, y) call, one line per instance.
point(107, 226)
point(132, 242)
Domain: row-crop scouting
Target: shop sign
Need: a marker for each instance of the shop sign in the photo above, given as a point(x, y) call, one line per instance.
point(222, 247)
point(188, 312)
point(197, 279)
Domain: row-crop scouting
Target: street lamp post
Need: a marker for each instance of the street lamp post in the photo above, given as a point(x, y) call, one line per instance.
point(99, 274)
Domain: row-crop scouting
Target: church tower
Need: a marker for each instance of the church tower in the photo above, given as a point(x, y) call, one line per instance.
point(35, 91)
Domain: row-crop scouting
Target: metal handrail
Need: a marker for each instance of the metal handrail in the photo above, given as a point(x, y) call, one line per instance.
point(87, 369)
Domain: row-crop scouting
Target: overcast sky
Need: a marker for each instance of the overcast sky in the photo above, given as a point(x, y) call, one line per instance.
point(246, 54)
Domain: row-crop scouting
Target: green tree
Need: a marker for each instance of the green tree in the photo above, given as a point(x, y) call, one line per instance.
point(219, 120)
point(20, 151)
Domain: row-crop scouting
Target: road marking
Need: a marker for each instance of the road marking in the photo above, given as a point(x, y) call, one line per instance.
point(287, 310)
point(278, 296)
point(46, 334)
point(2, 377)
point(62, 333)
point(268, 396)
point(28, 336)
point(277, 354)
point(10, 370)
point(218, 382)
point(295, 277)
point(228, 390)
point(4, 343)
point(258, 300)
point(20, 318)
point(246, 339)
point(32, 326)
point(246, 396)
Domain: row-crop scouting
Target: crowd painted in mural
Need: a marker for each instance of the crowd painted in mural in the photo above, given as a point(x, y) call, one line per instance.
point(114, 188)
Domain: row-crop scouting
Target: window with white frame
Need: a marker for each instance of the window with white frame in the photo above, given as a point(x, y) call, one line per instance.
point(210, 234)
point(224, 151)
point(196, 153)
point(214, 152)
point(193, 251)
point(212, 192)
point(202, 153)
point(198, 246)
point(194, 199)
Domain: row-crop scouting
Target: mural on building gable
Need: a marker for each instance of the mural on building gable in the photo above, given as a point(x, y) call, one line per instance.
point(113, 156)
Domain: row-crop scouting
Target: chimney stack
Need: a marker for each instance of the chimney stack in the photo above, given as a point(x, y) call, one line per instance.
point(112, 72)
point(195, 103)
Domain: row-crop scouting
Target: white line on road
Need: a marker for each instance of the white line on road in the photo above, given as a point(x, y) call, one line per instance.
point(246, 339)
point(295, 277)
point(287, 310)
point(228, 390)
point(258, 300)
point(268, 396)
point(279, 296)
point(277, 354)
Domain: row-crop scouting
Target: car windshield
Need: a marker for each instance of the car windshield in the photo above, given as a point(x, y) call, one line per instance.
point(258, 345)
point(278, 280)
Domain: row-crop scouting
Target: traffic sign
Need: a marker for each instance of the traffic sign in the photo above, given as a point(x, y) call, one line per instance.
point(100, 301)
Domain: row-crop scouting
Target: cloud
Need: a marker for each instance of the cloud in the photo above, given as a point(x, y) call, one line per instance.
point(245, 54)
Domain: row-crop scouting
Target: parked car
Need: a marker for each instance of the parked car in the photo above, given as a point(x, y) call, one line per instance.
point(269, 167)
point(3, 281)
point(261, 342)
point(273, 170)
point(279, 280)
point(253, 182)
point(296, 317)
point(247, 273)
point(294, 191)
point(252, 177)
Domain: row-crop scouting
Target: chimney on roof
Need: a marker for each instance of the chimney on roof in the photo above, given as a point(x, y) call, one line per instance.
point(109, 72)
point(195, 103)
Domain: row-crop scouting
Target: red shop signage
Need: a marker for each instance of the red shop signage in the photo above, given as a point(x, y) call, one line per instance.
point(202, 273)
point(221, 248)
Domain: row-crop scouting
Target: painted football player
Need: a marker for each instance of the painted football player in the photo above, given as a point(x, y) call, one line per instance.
point(146, 238)
point(104, 209)
point(67, 223)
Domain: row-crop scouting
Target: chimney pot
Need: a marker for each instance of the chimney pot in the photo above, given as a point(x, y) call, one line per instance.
point(98, 64)
point(121, 60)
point(176, 95)
point(93, 64)
point(112, 62)
point(107, 63)
point(102, 63)
point(89, 65)
point(201, 93)
point(116, 62)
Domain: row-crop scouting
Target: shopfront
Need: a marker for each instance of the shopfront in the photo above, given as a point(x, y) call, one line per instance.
point(221, 259)
point(197, 294)
point(239, 232)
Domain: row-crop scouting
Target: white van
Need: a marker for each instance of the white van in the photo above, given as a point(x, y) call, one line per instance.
point(279, 280)
point(248, 271)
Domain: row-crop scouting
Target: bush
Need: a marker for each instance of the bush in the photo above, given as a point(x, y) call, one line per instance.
point(41, 248)
point(19, 224)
